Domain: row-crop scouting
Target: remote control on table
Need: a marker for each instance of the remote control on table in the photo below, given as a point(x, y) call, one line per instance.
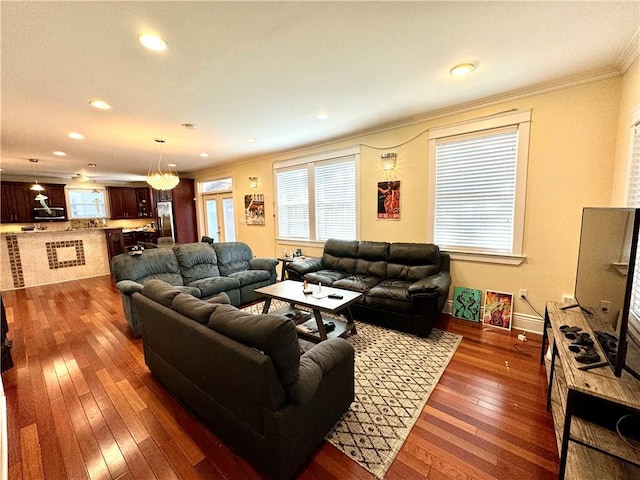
point(335, 295)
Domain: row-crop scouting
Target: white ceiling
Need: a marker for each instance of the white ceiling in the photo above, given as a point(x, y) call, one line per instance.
point(265, 69)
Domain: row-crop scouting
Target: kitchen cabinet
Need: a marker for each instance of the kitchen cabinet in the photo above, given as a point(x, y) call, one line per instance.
point(130, 202)
point(134, 237)
point(115, 242)
point(184, 211)
point(55, 192)
point(16, 202)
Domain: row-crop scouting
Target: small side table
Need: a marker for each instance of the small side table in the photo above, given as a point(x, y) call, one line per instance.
point(286, 261)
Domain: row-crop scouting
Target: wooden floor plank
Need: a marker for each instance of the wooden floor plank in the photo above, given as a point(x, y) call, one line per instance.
point(80, 387)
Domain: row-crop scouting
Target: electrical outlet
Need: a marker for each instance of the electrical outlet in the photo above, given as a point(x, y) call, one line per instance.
point(605, 305)
point(568, 299)
point(522, 293)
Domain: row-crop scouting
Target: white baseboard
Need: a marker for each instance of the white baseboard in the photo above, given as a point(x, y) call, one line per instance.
point(521, 321)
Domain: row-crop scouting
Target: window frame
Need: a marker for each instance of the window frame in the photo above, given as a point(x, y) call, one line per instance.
point(105, 203)
point(522, 120)
point(310, 161)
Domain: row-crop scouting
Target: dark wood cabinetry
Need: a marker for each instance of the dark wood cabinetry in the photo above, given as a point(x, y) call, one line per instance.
point(184, 211)
point(130, 202)
point(17, 202)
point(56, 195)
point(115, 242)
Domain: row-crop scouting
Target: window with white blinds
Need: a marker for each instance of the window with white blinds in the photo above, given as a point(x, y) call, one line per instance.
point(478, 178)
point(316, 198)
point(633, 200)
point(293, 204)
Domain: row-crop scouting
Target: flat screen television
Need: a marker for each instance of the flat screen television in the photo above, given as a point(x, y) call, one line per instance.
point(607, 262)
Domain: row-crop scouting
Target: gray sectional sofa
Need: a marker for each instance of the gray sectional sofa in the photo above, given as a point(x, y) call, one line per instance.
point(268, 395)
point(200, 269)
point(404, 285)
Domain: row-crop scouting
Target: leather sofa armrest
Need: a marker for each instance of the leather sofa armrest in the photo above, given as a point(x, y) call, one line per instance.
point(432, 285)
point(129, 287)
point(315, 364)
point(302, 267)
point(263, 264)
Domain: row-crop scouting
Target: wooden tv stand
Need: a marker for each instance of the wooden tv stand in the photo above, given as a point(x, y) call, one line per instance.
point(586, 403)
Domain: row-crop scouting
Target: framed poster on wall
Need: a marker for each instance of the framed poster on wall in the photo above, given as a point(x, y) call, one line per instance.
point(254, 209)
point(389, 200)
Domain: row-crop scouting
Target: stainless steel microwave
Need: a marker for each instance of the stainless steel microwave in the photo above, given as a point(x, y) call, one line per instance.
point(52, 213)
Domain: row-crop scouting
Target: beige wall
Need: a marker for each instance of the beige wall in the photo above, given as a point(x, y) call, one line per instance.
point(571, 165)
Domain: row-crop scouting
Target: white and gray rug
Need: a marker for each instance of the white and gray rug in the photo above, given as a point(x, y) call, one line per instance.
point(394, 375)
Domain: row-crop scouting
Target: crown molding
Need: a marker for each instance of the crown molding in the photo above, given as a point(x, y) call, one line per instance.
point(629, 54)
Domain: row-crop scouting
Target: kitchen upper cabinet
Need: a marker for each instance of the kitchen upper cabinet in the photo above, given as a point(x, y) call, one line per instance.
point(17, 202)
point(55, 192)
point(130, 202)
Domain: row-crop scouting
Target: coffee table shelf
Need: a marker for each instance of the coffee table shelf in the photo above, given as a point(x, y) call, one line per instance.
point(291, 292)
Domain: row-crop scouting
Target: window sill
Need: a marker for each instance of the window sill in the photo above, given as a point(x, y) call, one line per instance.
point(501, 259)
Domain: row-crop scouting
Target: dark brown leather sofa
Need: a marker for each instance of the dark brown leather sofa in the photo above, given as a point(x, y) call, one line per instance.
point(405, 285)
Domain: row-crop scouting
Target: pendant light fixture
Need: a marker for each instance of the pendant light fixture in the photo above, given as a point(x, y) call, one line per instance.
point(36, 187)
point(156, 178)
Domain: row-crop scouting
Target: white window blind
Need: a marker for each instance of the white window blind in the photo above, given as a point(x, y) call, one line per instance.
point(316, 196)
point(633, 200)
point(293, 203)
point(475, 193)
point(335, 198)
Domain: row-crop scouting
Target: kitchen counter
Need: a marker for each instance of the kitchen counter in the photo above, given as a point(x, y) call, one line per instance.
point(39, 257)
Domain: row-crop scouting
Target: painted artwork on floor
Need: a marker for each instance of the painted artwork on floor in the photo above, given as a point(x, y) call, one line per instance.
point(498, 309)
point(389, 200)
point(466, 303)
point(254, 209)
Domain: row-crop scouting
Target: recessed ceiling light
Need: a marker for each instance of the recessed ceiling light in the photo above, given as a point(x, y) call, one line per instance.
point(204, 154)
point(462, 69)
point(58, 153)
point(190, 126)
point(172, 165)
point(250, 140)
point(75, 135)
point(152, 42)
point(322, 116)
point(99, 104)
point(91, 165)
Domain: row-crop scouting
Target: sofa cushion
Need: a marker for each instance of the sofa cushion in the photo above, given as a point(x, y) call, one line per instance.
point(194, 308)
point(160, 291)
point(357, 283)
point(197, 261)
point(326, 277)
point(153, 263)
point(249, 277)
point(233, 257)
point(367, 267)
point(390, 294)
point(274, 335)
point(212, 285)
point(373, 251)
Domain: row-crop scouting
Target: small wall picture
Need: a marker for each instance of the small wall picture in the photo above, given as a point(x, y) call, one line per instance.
point(466, 303)
point(254, 209)
point(498, 308)
point(389, 200)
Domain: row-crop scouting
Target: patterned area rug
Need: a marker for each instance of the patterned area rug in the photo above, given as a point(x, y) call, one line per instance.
point(395, 373)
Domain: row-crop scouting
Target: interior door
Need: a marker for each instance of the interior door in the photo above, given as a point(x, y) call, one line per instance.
point(219, 217)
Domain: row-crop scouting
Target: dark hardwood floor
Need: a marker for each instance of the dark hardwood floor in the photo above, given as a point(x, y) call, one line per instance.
point(82, 404)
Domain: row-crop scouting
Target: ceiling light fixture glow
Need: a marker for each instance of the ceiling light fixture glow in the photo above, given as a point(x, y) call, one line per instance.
point(250, 140)
point(204, 154)
point(75, 135)
point(100, 105)
point(152, 42)
point(322, 116)
point(462, 69)
point(58, 153)
point(159, 179)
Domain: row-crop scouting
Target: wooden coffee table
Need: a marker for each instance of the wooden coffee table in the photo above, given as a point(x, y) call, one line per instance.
point(291, 292)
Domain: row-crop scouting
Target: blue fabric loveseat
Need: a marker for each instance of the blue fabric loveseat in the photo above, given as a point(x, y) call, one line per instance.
point(200, 269)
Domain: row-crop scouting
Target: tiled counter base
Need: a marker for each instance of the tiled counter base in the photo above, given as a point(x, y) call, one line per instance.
point(35, 258)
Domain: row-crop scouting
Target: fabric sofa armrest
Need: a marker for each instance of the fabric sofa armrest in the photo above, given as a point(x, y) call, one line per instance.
point(432, 285)
point(263, 264)
point(315, 364)
point(129, 287)
point(302, 267)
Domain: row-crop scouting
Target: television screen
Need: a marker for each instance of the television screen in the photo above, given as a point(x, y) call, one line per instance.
point(605, 275)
